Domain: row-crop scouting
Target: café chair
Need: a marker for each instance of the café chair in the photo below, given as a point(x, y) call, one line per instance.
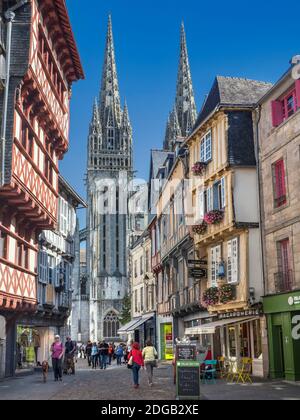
point(244, 371)
point(210, 372)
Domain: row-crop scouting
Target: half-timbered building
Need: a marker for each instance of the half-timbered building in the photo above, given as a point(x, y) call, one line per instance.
point(42, 62)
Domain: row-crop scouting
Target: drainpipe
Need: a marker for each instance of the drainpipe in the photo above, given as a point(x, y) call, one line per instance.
point(9, 16)
point(260, 197)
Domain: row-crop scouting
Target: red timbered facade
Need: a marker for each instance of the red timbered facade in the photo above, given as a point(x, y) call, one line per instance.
point(36, 139)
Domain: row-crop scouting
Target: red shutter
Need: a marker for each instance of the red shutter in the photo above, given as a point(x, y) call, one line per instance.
point(277, 113)
point(298, 93)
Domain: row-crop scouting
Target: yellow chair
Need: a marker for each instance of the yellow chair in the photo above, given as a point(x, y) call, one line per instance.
point(222, 369)
point(244, 371)
point(231, 370)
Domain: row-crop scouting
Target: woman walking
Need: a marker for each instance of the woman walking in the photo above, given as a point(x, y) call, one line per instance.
point(150, 358)
point(57, 351)
point(95, 355)
point(136, 361)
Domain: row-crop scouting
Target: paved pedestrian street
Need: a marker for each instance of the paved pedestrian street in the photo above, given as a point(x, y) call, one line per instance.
point(116, 384)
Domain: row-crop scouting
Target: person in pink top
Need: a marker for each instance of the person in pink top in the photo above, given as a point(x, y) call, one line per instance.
point(57, 352)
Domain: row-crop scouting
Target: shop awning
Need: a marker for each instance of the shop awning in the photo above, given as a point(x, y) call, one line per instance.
point(134, 324)
point(142, 321)
point(129, 327)
point(211, 327)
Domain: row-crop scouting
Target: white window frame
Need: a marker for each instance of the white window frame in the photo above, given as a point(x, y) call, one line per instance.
point(206, 147)
point(210, 199)
point(216, 258)
point(233, 256)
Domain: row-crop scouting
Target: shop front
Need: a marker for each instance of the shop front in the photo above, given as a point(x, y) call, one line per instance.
point(140, 330)
point(283, 319)
point(234, 336)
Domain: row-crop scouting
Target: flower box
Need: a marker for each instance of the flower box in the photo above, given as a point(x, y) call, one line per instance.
point(199, 168)
point(200, 229)
point(211, 296)
point(227, 293)
point(214, 217)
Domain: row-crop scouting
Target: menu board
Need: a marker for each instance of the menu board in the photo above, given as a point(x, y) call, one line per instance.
point(185, 352)
point(188, 380)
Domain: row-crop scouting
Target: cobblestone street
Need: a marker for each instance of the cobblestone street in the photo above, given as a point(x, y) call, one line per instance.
point(113, 384)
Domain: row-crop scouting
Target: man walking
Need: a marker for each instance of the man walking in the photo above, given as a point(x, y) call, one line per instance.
point(70, 349)
point(88, 352)
point(103, 351)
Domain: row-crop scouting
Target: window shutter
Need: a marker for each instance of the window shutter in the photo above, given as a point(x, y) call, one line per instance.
point(223, 193)
point(201, 205)
point(235, 260)
point(277, 113)
point(298, 93)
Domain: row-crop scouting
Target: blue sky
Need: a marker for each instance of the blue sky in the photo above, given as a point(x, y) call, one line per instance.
point(244, 39)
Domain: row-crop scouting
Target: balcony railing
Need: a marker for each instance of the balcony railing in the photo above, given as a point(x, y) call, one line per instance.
point(284, 281)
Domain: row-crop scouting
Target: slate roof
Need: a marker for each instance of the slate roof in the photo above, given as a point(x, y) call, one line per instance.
point(232, 91)
point(158, 158)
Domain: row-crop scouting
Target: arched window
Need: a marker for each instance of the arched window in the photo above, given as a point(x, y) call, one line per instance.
point(111, 325)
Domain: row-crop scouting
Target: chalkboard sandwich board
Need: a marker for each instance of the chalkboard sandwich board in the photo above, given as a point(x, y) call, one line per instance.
point(188, 380)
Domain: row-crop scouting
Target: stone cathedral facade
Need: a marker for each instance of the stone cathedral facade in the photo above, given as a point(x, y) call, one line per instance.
point(109, 169)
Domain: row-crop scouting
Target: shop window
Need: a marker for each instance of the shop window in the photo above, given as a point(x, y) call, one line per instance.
point(257, 333)
point(232, 342)
point(279, 183)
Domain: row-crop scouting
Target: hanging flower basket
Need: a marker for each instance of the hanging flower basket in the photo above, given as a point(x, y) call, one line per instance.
point(200, 229)
point(227, 293)
point(211, 296)
point(214, 217)
point(198, 168)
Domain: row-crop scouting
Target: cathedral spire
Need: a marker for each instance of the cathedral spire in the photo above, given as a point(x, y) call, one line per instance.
point(185, 100)
point(95, 126)
point(109, 94)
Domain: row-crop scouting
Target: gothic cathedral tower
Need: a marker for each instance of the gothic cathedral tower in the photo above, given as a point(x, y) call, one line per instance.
point(109, 168)
point(182, 119)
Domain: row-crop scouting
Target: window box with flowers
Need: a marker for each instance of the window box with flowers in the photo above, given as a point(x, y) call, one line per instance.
point(200, 229)
point(211, 296)
point(227, 293)
point(214, 217)
point(198, 168)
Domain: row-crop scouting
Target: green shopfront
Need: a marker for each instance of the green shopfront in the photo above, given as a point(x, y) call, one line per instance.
point(283, 317)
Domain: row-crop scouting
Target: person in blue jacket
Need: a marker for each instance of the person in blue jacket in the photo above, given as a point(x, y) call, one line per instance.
point(119, 354)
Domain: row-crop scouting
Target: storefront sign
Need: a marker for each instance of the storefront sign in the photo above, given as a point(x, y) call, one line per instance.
point(186, 352)
point(294, 300)
point(188, 380)
point(248, 312)
point(197, 262)
point(198, 273)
